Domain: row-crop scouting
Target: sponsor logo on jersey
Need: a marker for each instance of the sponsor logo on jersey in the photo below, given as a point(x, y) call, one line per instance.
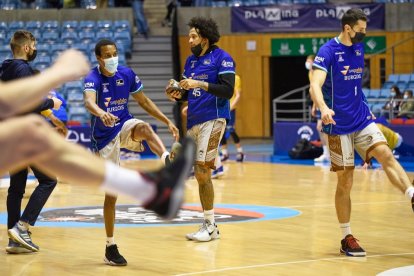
point(107, 100)
point(200, 77)
point(119, 82)
point(319, 59)
point(207, 62)
point(137, 80)
point(344, 72)
point(89, 85)
point(105, 87)
point(227, 63)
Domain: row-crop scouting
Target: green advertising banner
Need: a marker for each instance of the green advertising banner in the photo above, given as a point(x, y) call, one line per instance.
point(310, 46)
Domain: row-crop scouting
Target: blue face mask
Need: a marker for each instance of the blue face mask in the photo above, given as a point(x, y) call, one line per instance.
point(111, 64)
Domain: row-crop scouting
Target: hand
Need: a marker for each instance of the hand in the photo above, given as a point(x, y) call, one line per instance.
point(108, 119)
point(173, 90)
point(72, 64)
point(327, 116)
point(174, 95)
point(174, 130)
point(63, 130)
point(56, 103)
point(189, 83)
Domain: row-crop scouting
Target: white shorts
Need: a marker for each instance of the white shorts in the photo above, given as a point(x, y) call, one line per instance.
point(207, 137)
point(123, 140)
point(341, 147)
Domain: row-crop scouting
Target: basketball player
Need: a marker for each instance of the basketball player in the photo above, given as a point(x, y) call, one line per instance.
point(209, 78)
point(28, 140)
point(107, 89)
point(337, 92)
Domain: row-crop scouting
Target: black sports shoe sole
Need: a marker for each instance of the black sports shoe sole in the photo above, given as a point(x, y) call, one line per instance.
point(177, 197)
point(108, 262)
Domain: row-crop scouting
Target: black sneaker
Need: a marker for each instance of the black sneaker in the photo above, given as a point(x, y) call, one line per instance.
point(350, 247)
point(170, 182)
point(112, 256)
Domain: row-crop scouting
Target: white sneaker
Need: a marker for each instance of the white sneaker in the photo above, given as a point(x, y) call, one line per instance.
point(207, 232)
point(323, 158)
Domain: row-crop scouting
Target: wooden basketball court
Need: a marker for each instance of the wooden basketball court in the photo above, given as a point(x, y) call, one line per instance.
point(305, 244)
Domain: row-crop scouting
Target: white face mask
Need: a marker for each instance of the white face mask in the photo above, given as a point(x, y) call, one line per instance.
point(308, 65)
point(405, 97)
point(111, 64)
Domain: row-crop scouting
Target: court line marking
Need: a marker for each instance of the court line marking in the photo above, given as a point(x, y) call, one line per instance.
point(292, 262)
point(353, 203)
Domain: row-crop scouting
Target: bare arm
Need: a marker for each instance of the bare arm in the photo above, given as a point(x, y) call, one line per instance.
point(318, 78)
point(155, 112)
point(60, 126)
point(107, 118)
point(22, 95)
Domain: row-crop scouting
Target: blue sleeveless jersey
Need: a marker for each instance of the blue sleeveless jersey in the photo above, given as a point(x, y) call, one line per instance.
point(112, 94)
point(203, 106)
point(342, 90)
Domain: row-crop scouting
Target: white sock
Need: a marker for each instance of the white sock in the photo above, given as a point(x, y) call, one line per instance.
point(224, 151)
point(164, 155)
point(110, 241)
point(209, 215)
point(409, 192)
point(345, 228)
point(325, 150)
point(240, 149)
point(127, 182)
point(24, 226)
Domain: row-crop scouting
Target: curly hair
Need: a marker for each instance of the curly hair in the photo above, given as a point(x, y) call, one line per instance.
point(205, 27)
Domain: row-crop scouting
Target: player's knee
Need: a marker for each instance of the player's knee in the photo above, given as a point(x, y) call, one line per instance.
point(345, 179)
point(202, 174)
point(143, 130)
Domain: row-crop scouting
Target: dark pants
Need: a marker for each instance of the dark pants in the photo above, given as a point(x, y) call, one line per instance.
point(37, 199)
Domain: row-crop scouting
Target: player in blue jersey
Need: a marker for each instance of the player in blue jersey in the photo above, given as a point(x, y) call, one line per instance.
point(29, 140)
point(209, 80)
point(107, 90)
point(347, 120)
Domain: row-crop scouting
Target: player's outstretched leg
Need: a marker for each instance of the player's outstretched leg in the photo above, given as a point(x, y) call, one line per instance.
point(170, 182)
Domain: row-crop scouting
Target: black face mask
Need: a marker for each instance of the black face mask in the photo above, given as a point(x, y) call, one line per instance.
point(358, 38)
point(32, 56)
point(196, 50)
